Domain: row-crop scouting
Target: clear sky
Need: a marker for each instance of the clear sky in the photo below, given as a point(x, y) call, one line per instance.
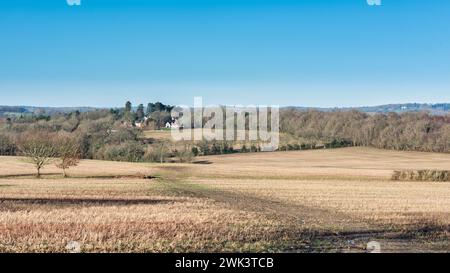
point(306, 53)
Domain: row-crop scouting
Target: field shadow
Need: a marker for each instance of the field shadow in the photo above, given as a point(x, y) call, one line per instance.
point(174, 169)
point(59, 175)
point(26, 175)
point(85, 201)
point(202, 162)
point(132, 176)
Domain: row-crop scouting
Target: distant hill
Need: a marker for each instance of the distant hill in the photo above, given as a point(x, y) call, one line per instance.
point(6, 111)
point(438, 108)
point(435, 109)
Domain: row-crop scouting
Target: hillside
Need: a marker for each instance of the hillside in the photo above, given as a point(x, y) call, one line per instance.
point(435, 109)
point(9, 111)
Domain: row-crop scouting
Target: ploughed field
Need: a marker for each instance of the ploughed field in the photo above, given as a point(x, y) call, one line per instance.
point(303, 201)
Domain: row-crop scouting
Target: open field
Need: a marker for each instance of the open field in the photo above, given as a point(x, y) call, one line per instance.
point(165, 134)
point(308, 201)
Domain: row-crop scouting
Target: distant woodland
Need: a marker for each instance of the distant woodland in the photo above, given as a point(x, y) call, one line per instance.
point(114, 135)
point(406, 131)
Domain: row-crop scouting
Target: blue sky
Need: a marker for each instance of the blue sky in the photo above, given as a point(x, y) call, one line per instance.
point(308, 53)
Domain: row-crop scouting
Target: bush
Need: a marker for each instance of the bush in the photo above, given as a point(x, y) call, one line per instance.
point(421, 175)
point(244, 149)
point(127, 152)
point(254, 148)
point(195, 151)
point(184, 155)
point(7, 146)
point(123, 135)
point(157, 152)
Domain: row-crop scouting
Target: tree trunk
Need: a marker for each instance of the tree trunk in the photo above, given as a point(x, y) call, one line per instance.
point(38, 175)
point(64, 173)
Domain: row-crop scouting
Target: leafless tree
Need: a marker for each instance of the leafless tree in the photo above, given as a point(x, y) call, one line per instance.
point(38, 148)
point(183, 152)
point(68, 152)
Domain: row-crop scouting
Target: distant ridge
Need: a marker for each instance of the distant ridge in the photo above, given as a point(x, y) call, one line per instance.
point(24, 110)
point(435, 109)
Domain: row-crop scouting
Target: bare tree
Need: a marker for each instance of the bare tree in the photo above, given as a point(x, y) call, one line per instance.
point(184, 153)
point(162, 151)
point(38, 148)
point(68, 152)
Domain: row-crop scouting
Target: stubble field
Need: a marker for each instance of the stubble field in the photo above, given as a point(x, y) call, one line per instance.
point(307, 201)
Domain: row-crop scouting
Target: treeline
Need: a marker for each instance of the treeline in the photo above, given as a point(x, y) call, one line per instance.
point(12, 109)
point(104, 135)
point(92, 130)
point(155, 115)
point(113, 135)
point(407, 131)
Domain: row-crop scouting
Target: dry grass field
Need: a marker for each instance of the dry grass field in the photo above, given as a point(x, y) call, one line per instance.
point(307, 201)
point(166, 135)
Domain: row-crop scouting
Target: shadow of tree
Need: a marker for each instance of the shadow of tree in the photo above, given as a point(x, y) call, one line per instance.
point(85, 201)
point(202, 162)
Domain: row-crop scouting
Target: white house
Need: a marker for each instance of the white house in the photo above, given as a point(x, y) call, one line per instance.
point(173, 125)
point(140, 125)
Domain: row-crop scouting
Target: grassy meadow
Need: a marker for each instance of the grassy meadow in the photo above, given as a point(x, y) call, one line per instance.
point(330, 200)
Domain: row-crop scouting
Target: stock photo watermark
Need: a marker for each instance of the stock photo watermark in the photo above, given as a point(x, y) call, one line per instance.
point(78, 2)
point(374, 2)
point(373, 247)
point(73, 2)
point(227, 123)
point(73, 247)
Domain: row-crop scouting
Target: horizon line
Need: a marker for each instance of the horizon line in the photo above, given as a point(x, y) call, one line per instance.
point(281, 106)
